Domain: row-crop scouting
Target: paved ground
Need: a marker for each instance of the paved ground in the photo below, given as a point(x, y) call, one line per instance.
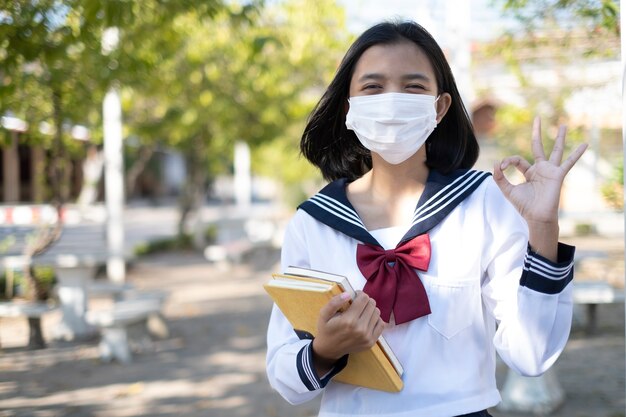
point(212, 364)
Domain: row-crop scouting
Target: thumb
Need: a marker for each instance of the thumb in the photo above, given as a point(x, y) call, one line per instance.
point(335, 305)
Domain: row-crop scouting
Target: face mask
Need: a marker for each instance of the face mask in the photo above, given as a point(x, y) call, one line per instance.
point(394, 125)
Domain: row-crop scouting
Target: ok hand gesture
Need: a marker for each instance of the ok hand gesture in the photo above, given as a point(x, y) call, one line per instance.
point(537, 199)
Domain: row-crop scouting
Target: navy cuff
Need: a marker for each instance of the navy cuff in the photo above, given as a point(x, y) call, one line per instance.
point(306, 369)
point(545, 276)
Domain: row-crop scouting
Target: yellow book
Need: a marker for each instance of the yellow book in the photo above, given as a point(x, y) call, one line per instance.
point(301, 293)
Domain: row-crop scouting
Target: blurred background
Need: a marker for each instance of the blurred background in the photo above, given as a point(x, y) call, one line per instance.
point(150, 161)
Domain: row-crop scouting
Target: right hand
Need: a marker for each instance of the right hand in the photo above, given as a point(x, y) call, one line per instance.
point(339, 332)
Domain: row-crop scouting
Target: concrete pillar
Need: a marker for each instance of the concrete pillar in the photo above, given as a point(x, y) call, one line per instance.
point(114, 185)
point(243, 178)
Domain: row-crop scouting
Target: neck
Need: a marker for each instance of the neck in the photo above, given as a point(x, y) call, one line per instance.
point(387, 194)
point(387, 181)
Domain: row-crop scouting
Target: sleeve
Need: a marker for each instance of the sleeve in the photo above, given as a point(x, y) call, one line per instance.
point(529, 296)
point(289, 360)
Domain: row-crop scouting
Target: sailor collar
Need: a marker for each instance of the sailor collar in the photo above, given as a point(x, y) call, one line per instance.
point(441, 195)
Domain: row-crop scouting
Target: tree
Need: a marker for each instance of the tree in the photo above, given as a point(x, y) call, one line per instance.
point(54, 71)
point(594, 15)
point(246, 76)
point(555, 34)
point(558, 34)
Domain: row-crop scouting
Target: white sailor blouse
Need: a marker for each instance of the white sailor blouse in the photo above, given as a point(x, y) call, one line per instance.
point(486, 289)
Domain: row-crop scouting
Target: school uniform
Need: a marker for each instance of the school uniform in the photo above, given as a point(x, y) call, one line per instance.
point(485, 290)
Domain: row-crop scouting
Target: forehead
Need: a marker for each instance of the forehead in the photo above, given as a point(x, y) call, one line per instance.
point(398, 58)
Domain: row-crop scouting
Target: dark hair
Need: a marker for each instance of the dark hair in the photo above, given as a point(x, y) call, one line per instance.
point(337, 152)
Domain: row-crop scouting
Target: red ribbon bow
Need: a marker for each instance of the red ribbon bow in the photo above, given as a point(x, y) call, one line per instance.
point(392, 281)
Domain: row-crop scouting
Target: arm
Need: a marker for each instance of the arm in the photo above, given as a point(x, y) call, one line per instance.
point(287, 355)
point(528, 295)
point(536, 317)
point(299, 369)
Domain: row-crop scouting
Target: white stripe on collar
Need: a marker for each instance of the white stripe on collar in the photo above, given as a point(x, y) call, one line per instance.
point(446, 195)
point(337, 209)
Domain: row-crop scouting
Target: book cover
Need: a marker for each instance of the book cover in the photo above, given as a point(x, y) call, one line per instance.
point(301, 297)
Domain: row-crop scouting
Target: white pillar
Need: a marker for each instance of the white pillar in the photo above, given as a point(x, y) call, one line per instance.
point(114, 185)
point(623, 51)
point(243, 180)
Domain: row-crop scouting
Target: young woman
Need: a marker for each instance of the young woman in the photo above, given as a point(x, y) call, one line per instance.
point(453, 264)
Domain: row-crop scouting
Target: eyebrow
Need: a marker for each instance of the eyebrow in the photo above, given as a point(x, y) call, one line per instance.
point(377, 76)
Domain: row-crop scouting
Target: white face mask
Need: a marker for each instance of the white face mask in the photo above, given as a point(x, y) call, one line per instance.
point(394, 125)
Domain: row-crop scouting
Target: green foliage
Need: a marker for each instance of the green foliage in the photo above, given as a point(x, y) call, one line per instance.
point(595, 14)
point(196, 75)
point(584, 229)
point(554, 34)
point(44, 275)
point(613, 190)
point(178, 243)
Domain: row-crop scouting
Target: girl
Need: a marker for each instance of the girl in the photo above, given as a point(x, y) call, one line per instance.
point(454, 264)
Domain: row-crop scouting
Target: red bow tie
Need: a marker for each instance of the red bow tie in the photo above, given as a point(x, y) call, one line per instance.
point(391, 280)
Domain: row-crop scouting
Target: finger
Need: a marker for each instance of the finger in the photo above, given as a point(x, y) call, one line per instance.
point(365, 319)
point(559, 146)
point(378, 328)
point(359, 304)
point(521, 164)
point(537, 144)
point(372, 314)
point(503, 183)
point(334, 306)
point(573, 158)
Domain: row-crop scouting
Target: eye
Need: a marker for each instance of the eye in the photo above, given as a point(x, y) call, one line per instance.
point(415, 87)
point(371, 86)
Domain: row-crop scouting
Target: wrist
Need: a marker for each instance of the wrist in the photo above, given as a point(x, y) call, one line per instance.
point(323, 360)
point(543, 238)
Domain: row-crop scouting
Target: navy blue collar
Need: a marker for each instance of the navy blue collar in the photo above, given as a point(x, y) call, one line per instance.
point(441, 195)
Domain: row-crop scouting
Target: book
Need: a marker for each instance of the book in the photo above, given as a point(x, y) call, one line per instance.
point(300, 293)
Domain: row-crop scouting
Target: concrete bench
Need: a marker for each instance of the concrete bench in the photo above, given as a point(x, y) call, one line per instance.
point(25, 309)
point(126, 325)
point(108, 289)
point(238, 237)
point(590, 294)
point(29, 310)
point(233, 251)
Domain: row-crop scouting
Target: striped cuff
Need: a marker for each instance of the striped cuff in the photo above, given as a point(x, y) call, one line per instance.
point(306, 369)
point(545, 276)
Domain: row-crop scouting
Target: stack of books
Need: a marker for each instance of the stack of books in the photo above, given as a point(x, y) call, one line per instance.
point(300, 293)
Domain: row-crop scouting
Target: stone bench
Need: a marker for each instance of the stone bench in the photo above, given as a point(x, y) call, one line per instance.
point(233, 251)
point(107, 288)
point(29, 310)
point(126, 325)
point(590, 294)
point(25, 309)
point(238, 237)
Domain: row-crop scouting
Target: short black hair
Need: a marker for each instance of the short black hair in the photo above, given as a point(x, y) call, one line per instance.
point(338, 153)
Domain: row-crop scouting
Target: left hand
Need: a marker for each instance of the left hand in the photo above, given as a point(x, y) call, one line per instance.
point(537, 199)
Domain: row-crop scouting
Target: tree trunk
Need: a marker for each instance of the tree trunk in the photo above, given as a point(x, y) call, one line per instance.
point(194, 190)
point(47, 236)
point(145, 154)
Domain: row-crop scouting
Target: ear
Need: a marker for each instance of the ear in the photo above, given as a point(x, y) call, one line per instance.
point(442, 105)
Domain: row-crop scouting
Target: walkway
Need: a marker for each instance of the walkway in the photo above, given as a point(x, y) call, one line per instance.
point(213, 362)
